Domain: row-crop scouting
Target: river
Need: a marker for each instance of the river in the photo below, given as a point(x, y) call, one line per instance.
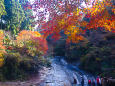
point(62, 73)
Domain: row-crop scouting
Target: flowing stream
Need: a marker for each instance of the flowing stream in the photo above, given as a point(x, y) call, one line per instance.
point(63, 74)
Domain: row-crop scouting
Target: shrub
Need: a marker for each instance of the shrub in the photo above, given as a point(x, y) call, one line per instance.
point(31, 42)
point(23, 55)
point(91, 62)
point(2, 48)
point(10, 67)
point(75, 51)
point(43, 61)
point(98, 59)
point(110, 36)
point(28, 65)
point(1, 61)
point(59, 48)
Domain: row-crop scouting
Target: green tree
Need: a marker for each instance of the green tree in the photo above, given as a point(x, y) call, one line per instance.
point(2, 8)
point(2, 11)
point(27, 23)
point(15, 15)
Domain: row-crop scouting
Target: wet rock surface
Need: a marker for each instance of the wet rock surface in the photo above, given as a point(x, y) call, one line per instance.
point(59, 74)
point(63, 74)
point(33, 81)
point(56, 76)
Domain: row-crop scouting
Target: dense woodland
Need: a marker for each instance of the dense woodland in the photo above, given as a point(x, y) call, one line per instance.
point(80, 34)
point(21, 48)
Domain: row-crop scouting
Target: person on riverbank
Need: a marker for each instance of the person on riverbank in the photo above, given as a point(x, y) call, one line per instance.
point(93, 83)
point(105, 82)
point(102, 81)
point(82, 82)
point(98, 81)
point(89, 82)
point(74, 81)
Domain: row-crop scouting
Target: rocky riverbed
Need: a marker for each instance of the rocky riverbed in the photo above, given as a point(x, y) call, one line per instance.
point(56, 76)
point(34, 80)
point(63, 74)
point(59, 74)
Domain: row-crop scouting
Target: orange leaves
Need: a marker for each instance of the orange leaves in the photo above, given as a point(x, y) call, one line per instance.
point(2, 47)
point(36, 34)
point(74, 34)
point(40, 44)
point(96, 15)
point(83, 23)
point(76, 12)
point(26, 36)
point(74, 38)
point(98, 7)
point(1, 61)
point(33, 41)
point(102, 19)
point(95, 9)
point(33, 33)
point(1, 36)
point(109, 25)
point(113, 10)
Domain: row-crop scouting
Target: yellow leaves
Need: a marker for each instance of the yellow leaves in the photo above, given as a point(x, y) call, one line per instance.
point(1, 31)
point(109, 25)
point(1, 62)
point(107, 3)
point(95, 11)
point(1, 55)
point(2, 48)
point(62, 22)
point(102, 19)
point(75, 38)
point(73, 34)
point(75, 31)
point(37, 34)
point(26, 36)
point(77, 12)
point(83, 23)
point(98, 7)
point(98, 59)
point(106, 21)
point(1, 35)
point(113, 10)
point(32, 42)
point(1, 59)
point(71, 29)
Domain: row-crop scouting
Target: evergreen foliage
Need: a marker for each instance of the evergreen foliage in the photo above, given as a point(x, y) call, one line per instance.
point(15, 15)
point(2, 8)
point(27, 23)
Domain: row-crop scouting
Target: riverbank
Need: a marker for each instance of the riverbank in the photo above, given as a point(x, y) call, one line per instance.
point(60, 73)
point(34, 80)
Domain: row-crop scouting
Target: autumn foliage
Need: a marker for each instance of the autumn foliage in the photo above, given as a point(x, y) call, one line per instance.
point(21, 55)
point(101, 16)
point(32, 41)
point(71, 18)
point(2, 47)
